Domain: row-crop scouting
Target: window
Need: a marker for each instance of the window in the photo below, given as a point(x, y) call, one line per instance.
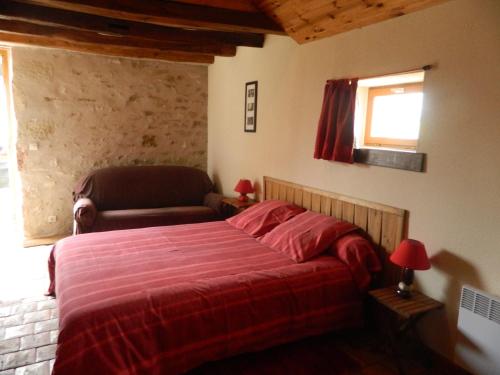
point(388, 111)
point(393, 115)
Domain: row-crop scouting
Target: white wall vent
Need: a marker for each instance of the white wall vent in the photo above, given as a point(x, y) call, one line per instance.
point(479, 328)
point(467, 300)
point(495, 311)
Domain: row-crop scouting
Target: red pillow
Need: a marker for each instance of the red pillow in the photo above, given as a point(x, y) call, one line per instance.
point(358, 253)
point(264, 216)
point(306, 235)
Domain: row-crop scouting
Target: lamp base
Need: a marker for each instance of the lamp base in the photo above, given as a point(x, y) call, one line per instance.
point(403, 290)
point(404, 286)
point(243, 198)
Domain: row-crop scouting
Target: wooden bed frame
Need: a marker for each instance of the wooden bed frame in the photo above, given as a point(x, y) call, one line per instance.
point(386, 225)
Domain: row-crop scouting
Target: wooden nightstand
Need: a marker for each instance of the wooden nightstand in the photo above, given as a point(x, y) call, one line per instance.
point(232, 206)
point(403, 316)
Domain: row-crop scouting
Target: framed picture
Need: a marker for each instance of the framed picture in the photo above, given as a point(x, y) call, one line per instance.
point(250, 124)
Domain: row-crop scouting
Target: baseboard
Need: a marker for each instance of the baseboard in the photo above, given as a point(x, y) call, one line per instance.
point(446, 366)
point(31, 242)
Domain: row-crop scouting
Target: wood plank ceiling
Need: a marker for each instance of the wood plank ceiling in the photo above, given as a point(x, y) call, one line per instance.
point(185, 30)
point(309, 20)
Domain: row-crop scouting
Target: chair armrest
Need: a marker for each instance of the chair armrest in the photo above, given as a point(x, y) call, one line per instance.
point(214, 201)
point(84, 214)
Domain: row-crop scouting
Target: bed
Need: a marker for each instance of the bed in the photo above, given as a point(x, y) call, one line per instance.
point(167, 299)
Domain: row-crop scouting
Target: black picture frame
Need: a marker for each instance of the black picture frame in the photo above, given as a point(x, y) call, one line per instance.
point(250, 123)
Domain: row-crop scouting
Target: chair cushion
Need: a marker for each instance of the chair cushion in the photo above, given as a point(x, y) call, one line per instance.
point(152, 217)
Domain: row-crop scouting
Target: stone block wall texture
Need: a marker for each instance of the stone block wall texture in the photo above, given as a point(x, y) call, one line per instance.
point(78, 112)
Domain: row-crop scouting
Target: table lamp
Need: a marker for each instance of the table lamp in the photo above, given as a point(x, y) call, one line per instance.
point(244, 187)
point(410, 255)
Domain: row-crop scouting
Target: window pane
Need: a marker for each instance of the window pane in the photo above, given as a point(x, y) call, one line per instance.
point(396, 116)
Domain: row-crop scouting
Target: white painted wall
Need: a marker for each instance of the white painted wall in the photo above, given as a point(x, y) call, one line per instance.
point(454, 206)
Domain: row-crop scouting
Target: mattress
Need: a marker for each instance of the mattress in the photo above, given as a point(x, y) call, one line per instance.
point(167, 299)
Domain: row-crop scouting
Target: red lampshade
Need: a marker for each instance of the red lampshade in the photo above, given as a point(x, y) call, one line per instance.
point(411, 254)
point(244, 187)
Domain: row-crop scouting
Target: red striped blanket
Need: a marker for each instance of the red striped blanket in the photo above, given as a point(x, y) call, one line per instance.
point(163, 300)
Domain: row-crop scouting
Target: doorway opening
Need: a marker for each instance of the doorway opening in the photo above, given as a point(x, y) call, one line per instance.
point(22, 271)
point(9, 232)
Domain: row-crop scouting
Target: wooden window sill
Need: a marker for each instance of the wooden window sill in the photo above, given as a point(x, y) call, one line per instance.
point(406, 160)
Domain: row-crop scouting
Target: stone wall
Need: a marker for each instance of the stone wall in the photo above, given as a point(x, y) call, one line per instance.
point(78, 112)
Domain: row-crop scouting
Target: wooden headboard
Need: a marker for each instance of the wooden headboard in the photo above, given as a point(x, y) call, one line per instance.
point(386, 225)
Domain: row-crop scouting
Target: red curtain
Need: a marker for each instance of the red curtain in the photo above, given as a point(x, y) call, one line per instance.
point(335, 136)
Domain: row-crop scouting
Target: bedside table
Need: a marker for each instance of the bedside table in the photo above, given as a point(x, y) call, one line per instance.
point(233, 206)
point(407, 313)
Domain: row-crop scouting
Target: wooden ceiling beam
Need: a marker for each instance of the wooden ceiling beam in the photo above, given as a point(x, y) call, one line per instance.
point(171, 13)
point(87, 37)
point(80, 21)
point(243, 5)
point(145, 53)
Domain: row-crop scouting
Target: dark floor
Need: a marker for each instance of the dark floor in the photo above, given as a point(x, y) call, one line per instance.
point(28, 333)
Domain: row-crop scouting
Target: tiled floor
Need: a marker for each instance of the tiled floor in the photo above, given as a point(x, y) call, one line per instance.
point(28, 336)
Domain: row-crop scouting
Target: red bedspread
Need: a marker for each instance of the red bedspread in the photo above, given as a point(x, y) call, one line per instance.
point(163, 300)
